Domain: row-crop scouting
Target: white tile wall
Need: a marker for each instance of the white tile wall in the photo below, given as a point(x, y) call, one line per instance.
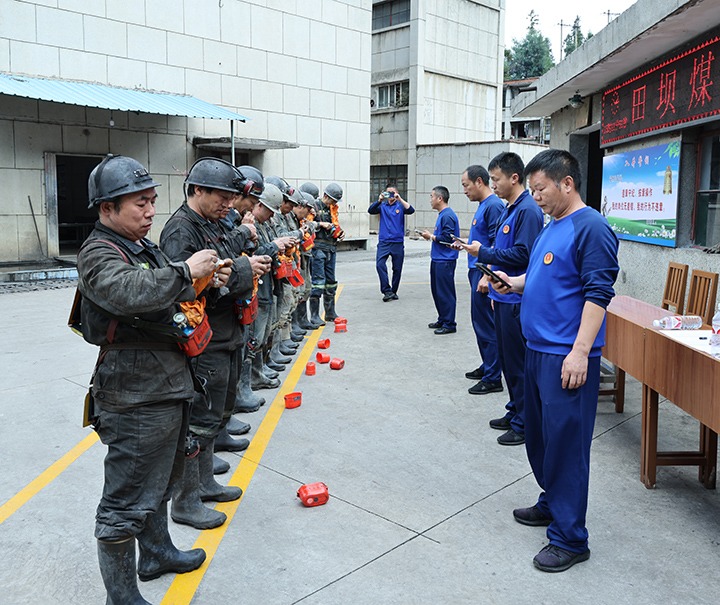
point(59, 28)
point(75, 65)
point(31, 59)
point(300, 70)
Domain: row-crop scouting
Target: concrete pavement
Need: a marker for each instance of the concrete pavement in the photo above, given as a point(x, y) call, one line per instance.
point(421, 493)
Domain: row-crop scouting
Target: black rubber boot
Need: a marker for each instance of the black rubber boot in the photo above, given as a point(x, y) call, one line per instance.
point(237, 427)
point(269, 372)
point(276, 355)
point(329, 302)
point(295, 323)
point(302, 316)
point(158, 555)
point(220, 466)
point(244, 389)
point(315, 311)
point(286, 349)
point(186, 507)
point(258, 380)
point(275, 367)
point(209, 488)
point(118, 571)
point(225, 443)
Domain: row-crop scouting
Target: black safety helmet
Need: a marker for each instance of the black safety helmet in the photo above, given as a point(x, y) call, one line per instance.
point(310, 188)
point(334, 191)
point(253, 181)
point(307, 199)
point(115, 176)
point(213, 173)
point(288, 191)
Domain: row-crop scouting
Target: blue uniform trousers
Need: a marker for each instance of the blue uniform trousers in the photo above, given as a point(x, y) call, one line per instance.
point(396, 252)
point(442, 286)
point(558, 433)
point(483, 323)
point(511, 351)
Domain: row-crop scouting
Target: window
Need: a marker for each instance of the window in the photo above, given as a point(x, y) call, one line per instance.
point(390, 13)
point(393, 95)
point(382, 176)
point(707, 202)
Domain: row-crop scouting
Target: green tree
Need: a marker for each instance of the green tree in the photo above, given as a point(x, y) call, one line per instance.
point(575, 38)
point(531, 56)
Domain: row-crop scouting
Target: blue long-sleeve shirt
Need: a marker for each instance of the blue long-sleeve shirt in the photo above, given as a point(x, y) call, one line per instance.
point(517, 229)
point(574, 260)
point(446, 226)
point(392, 220)
point(484, 224)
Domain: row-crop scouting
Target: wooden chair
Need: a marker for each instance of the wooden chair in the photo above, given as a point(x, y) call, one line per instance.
point(675, 282)
point(702, 295)
point(673, 295)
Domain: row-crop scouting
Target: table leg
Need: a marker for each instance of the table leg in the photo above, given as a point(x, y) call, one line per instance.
point(619, 390)
point(648, 439)
point(708, 449)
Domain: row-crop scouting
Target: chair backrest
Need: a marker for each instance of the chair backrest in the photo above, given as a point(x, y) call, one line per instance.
point(674, 294)
point(702, 295)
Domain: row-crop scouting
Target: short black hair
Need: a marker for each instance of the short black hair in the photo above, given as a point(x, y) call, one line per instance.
point(442, 192)
point(508, 163)
point(556, 164)
point(476, 172)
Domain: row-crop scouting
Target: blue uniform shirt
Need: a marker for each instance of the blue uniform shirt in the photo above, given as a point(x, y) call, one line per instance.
point(574, 260)
point(445, 227)
point(517, 229)
point(392, 220)
point(484, 224)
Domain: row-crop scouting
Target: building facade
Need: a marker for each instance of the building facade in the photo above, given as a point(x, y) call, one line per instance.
point(639, 105)
point(298, 71)
point(437, 69)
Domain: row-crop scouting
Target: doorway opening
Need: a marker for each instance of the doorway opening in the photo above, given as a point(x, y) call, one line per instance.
point(75, 219)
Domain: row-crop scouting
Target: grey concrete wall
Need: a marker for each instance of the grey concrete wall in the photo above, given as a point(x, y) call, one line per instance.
point(299, 70)
point(444, 165)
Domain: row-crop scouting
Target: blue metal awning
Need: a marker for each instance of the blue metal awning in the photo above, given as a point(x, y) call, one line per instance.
point(109, 97)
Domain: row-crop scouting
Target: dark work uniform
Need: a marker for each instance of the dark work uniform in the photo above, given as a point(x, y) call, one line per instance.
point(519, 225)
point(324, 254)
point(142, 385)
point(391, 244)
point(185, 233)
point(443, 261)
point(573, 261)
point(482, 230)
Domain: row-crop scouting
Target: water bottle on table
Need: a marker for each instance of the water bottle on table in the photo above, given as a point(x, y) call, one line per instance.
point(715, 336)
point(679, 322)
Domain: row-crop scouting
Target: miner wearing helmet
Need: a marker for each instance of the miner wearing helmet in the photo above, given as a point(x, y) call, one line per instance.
point(329, 233)
point(212, 185)
point(265, 370)
point(141, 386)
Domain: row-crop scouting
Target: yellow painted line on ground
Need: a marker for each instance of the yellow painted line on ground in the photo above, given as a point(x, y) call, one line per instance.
point(45, 478)
point(183, 588)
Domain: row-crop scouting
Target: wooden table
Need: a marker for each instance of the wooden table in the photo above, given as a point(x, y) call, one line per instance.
point(685, 376)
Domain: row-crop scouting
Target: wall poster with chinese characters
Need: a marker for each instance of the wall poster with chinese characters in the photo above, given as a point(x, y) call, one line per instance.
point(679, 89)
point(639, 193)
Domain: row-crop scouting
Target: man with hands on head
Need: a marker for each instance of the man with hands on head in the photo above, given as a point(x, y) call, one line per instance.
point(392, 209)
point(568, 285)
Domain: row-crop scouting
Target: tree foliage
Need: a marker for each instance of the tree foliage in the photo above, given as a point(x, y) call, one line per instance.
point(575, 38)
point(531, 56)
